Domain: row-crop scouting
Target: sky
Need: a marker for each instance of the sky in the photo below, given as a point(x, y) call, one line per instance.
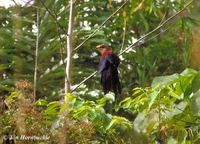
point(7, 3)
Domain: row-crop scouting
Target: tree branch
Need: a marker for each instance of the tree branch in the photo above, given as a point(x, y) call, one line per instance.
point(53, 16)
point(96, 30)
point(61, 40)
point(124, 34)
point(93, 74)
point(36, 56)
point(69, 48)
point(59, 28)
point(140, 39)
point(157, 28)
point(62, 61)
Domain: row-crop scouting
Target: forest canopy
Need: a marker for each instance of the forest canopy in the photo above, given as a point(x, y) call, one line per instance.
point(49, 83)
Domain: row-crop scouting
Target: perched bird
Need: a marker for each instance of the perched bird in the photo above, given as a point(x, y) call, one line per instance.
point(108, 65)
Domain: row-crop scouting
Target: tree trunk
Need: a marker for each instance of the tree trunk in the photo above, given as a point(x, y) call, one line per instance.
point(36, 56)
point(69, 48)
point(195, 49)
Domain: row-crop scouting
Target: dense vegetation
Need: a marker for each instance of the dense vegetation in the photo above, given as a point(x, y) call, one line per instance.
point(161, 90)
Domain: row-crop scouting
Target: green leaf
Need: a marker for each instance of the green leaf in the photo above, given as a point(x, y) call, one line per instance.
point(102, 102)
point(5, 88)
point(196, 83)
point(153, 97)
point(98, 40)
point(188, 72)
point(41, 102)
point(195, 103)
point(52, 110)
point(171, 140)
point(116, 120)
point(165, 80)
point(146, 25)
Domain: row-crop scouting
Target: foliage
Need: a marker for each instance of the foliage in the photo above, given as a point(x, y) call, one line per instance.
point(161, 55)
point(167, 108)
point(165, 112)
point(163, 109)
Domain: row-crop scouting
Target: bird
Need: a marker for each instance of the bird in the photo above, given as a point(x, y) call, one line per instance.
point(108, 67)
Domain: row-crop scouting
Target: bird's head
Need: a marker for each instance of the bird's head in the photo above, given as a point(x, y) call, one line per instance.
point(104, 50)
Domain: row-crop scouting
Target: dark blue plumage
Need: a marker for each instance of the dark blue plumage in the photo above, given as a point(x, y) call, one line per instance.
point(109, 73)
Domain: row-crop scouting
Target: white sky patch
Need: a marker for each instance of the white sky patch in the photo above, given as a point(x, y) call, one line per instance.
point(7, 3)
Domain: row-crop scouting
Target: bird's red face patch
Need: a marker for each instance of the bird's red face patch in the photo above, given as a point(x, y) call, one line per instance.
point(105, 52)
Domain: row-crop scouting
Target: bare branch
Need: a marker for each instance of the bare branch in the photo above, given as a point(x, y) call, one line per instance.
point(36, 56)
point(27, 2)
point(124, 34)
point(96, 30)
point(59, 28)
point(93, 74)
point(62, 61)
point(69, 48)
point(53, 16)
point(61, 40)
point(14, 2)
point(157, 28)
point(142, 38)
